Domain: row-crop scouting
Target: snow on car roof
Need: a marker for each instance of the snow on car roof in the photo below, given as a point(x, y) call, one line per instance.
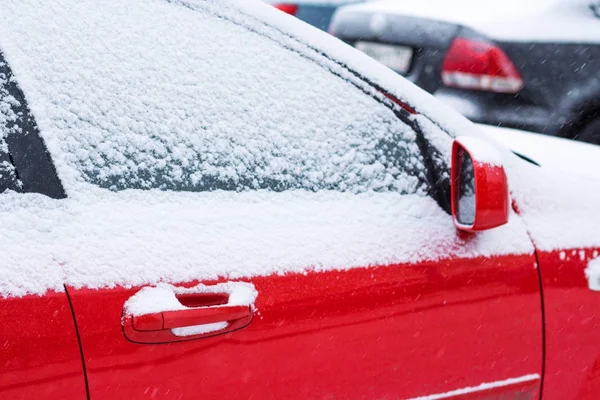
point(511, 20)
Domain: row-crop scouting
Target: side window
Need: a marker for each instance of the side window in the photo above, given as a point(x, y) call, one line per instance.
point(196, 117)
point(25, 164)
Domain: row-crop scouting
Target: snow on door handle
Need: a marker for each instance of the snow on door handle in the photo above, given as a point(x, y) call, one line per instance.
point(165, 313)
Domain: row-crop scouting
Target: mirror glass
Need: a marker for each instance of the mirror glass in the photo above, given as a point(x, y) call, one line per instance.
point(465, 210)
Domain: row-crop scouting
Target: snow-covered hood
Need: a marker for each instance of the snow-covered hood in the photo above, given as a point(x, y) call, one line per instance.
point(558, 200)
point(550, 152)
point(513, 20)
point(560, 209)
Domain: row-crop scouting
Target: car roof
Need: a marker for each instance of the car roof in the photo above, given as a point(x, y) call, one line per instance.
point(511, 20)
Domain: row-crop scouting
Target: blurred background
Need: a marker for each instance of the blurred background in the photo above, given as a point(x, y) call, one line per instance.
point(531, 65)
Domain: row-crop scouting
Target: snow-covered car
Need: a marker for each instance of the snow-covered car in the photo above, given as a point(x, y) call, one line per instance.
point(532, 65)
point(550, 152)
point(315, 12)
point(201, 199)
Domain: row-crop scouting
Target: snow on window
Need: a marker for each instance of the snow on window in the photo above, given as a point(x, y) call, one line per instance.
point(160, 96)
point(9, 124)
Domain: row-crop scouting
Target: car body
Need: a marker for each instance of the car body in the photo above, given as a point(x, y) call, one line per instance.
point(527, 65)
point(181, 221)
point(317, 13)
point(550, 152)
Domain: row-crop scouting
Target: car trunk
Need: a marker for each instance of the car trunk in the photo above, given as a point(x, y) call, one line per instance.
point(413, 47)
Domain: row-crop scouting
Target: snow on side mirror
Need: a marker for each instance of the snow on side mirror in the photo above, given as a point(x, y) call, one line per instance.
point(479, 186)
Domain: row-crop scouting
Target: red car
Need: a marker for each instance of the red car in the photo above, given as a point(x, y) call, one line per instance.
point(201, 200)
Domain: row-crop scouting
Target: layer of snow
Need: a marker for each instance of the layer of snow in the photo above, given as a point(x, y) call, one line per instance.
point(103, 78)
point(147, 237)
point(125, 100)
point(592, 273)
point(511, 20)
point(550, 152)
point(481, 150)
point(560, 209)
point(162, 297)
point(480, 388)
point(199, 329)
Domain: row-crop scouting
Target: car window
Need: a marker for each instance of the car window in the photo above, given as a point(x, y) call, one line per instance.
point(209, 105)
point(25, 164)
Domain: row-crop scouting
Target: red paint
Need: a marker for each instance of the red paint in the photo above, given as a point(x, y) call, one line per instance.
point(398, 102)
point(156, 327)
point(39, 353)
point(491, 191)
point(287, 8)
point(395, 331)
point(572, 315)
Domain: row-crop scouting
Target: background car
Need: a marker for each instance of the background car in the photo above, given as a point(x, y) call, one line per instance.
point(532, 65)
point(315, 12)
point(204, 199)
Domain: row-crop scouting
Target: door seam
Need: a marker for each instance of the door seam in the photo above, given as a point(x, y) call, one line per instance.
point(516, 209)
point(539, 274)
point(85, 378)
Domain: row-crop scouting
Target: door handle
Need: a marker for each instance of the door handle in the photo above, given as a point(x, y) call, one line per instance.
point(190, 317)
point(189, 313)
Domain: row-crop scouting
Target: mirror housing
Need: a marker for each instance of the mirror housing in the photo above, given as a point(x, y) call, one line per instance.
point(479, 186)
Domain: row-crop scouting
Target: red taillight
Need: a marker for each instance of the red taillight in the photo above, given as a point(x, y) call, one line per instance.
point(472, 64)
point(287, 8)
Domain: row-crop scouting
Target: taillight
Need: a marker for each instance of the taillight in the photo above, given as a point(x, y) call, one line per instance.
point(287, 8)
point(472, 64)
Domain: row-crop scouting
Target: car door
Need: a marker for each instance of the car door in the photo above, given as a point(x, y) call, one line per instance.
point(39, 356)
point(237, 227)
point(444, 314)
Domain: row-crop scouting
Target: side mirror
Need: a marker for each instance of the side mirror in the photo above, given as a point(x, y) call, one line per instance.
point(478, 185)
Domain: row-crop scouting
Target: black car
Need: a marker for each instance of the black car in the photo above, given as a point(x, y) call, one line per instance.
point(532, 65)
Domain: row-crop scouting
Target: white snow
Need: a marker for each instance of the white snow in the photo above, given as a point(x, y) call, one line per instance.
point(124, 100)
point(560, 209)
point(592, 273)
point(199, 329)
point(550, 152)
point(480, 388)
point(511, 20)
point(481, 151)
point(162, 297)
point(112, 80)
point(133, 238)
